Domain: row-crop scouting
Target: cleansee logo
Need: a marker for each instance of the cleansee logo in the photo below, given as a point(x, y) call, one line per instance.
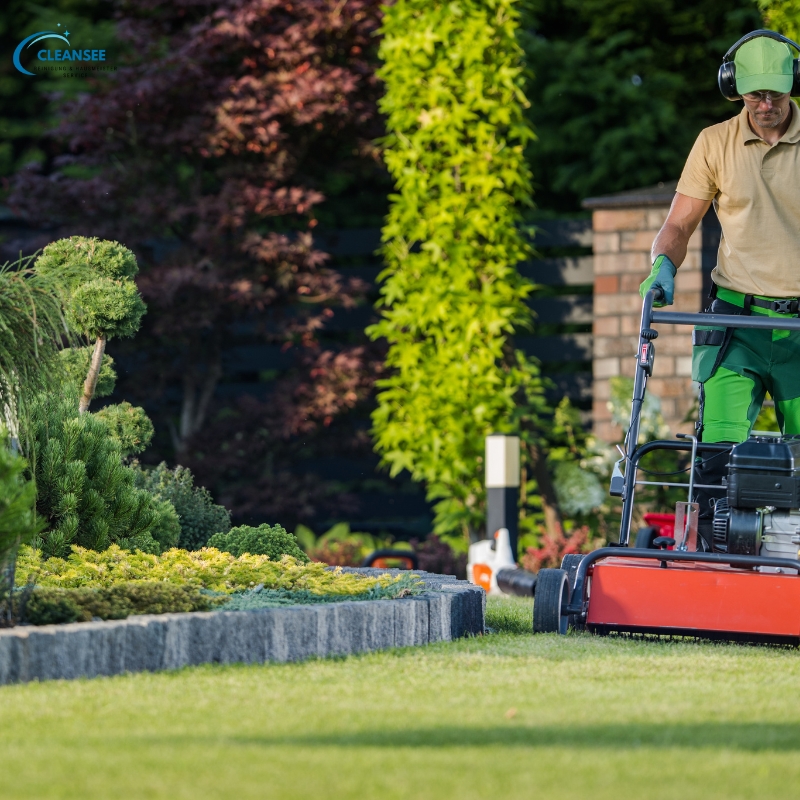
point(47, 56)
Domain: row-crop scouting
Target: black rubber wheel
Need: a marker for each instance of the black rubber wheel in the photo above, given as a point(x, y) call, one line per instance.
point(552, 592)
point(645, 536)
point(570, 564)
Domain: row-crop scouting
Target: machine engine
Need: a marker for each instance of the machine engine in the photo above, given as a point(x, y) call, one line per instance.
point(761, 513)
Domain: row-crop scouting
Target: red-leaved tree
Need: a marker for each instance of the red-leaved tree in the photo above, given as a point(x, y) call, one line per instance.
point(206, 152)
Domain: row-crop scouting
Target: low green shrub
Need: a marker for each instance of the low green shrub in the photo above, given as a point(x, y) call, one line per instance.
point(200, 518)
point(273, 541)
point(208, 568)
point(258, 597)
point(50, 605)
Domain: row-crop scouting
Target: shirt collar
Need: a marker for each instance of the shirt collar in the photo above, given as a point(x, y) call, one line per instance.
point(792, 135)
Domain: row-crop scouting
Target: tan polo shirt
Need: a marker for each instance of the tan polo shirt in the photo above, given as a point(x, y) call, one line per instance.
point(755, 187)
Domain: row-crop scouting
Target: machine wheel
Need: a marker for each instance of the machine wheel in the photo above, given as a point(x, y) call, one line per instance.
point(570, 564)
point(552, 592)
point(645, 536)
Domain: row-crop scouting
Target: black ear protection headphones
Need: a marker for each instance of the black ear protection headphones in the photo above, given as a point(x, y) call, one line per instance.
point(726, 77)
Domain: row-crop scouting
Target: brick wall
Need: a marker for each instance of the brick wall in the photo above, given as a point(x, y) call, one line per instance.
point(622, 237)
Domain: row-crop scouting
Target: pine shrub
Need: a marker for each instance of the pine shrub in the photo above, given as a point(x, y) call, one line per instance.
point(86, 494)
point(273, 541)
point(200, 518)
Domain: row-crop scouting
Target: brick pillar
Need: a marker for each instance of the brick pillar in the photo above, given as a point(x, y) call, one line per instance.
point(622, 238)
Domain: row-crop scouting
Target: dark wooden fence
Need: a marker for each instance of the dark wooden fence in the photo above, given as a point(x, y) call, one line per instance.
point(562, 341)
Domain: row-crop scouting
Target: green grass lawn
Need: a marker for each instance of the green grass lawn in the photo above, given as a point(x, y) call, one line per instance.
point(507, 715)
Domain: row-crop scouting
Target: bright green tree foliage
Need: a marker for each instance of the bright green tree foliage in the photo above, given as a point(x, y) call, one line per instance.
point(782, 16)
point(451, 294)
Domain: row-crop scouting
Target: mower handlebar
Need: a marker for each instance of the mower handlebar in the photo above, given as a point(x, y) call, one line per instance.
point(721, 320)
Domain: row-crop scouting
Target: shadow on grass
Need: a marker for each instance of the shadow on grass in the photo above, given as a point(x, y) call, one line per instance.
point(751, 737)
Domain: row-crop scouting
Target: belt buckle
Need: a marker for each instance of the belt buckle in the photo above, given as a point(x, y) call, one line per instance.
point(785, 306)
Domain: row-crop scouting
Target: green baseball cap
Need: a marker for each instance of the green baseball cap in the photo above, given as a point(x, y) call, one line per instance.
point(763, 64)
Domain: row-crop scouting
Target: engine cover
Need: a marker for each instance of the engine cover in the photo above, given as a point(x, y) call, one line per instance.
point(765, 471)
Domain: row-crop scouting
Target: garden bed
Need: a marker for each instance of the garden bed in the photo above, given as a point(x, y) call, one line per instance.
point(446, 609)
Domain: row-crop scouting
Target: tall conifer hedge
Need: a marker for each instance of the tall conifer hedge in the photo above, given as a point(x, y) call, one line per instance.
point(451, 296)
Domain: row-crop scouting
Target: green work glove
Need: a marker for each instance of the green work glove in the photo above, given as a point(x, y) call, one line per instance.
point(662, 276)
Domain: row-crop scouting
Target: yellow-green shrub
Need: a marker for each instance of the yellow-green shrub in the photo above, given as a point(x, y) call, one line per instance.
point(207, 568)
point(53, 606)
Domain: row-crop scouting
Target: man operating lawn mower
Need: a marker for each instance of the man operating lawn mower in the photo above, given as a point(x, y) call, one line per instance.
point(749, 167)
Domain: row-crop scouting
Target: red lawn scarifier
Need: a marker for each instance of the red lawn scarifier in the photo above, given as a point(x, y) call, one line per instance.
point(746, 588)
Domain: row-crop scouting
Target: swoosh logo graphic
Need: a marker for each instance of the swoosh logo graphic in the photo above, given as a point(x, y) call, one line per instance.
point(28, 41)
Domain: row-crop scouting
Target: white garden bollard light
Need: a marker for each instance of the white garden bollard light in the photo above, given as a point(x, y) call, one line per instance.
point(502, 486)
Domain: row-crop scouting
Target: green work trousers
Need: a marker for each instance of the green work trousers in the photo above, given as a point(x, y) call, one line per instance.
point(735, 376)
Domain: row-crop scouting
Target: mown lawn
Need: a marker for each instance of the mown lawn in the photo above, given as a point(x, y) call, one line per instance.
point(502, 716)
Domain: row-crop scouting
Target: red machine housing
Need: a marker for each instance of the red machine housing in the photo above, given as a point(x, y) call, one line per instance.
point(692, 599)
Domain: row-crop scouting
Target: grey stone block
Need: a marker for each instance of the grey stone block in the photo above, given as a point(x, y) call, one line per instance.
point(448, 609)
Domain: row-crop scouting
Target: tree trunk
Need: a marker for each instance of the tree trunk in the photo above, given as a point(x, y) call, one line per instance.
point(197, 394)
point(547, 492)
point(90, 383)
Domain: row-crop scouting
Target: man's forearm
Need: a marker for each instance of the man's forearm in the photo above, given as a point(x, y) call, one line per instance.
point(685, 215)
point(671, 241)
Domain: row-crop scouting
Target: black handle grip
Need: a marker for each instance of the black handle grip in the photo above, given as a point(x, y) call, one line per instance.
point(516, 581)
point(408, 556)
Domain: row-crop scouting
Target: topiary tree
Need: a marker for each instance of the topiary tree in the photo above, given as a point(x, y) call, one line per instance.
point(451, 296)
point(102, 301)
point(200, 518)
point(85, 493)
point(273, 541)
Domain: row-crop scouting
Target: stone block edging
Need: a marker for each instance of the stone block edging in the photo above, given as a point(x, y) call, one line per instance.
point(448, 609)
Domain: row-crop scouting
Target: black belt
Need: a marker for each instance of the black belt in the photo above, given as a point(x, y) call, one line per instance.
point(787, 306)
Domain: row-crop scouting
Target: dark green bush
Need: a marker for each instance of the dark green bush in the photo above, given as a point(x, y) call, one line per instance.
point(50, 606)
point(200, 518)
point(84, 491)
point(273, 541)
